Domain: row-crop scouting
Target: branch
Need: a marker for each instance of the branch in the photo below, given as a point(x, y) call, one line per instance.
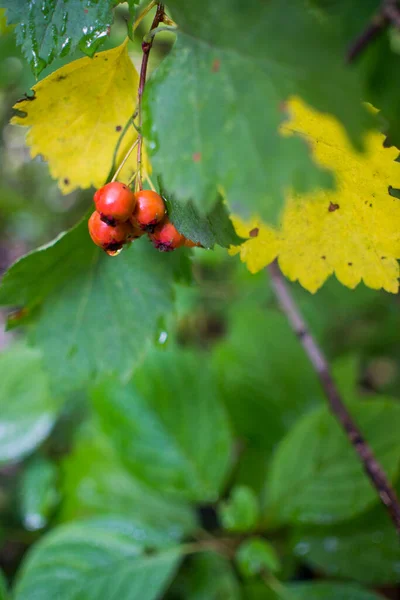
point(389, 13)
point(146, 47)
point(371, 466)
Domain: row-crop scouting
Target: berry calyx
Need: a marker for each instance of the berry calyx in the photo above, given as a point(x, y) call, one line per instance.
point(110, 238)
point(149, 211)
point(115, 202)
point(166, 237)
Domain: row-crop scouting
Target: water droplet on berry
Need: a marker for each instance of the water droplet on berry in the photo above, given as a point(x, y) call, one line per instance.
point(114, 252)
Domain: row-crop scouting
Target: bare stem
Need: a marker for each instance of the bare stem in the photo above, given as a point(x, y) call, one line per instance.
point(371, 466)
point(146, 47)
point(388, 14)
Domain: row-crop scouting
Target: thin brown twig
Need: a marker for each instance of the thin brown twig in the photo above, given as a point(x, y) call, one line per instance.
point(389, 13)
point(371, 466)
point(146, 47)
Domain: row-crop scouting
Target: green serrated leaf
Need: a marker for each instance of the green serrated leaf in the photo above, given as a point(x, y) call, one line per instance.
point(260, 365)
point(227, 83)
point(97, 314)
point(28, 410)
point(207, 230)
point(95, 482)
point(92, 560)
point(316, 476)
point(38, 493)
point(366, 549)
point(52, 28)
point(169, 429)
point(241, 511)
point(256, 556)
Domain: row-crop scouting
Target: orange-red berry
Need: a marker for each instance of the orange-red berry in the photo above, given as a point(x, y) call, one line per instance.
point(166, 237)
point(115, 202)
point(150, 209)
point(190, 244)
point(108, 237)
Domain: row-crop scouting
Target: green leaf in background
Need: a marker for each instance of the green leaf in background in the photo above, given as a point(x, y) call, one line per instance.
point(241, 511)
point(28, 410)
point(3, 587)
point(366, 549)
point(170, 428)
point(49, 29)
point(208, 230)
point(376, 63)
point(310, 591)
point(95, 482)
point(330, 591)
point(207, 576)
point(38, 493)
point(94, 560)
point(202, 106)
point(260, 364)
point(98, 314)
point(257, 556)
point(316, 476)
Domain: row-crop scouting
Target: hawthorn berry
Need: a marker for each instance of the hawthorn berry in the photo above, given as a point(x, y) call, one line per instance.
point(149, 211)
point(190, 244)
point(110, 238)
point(115, 202)
point(166, 237)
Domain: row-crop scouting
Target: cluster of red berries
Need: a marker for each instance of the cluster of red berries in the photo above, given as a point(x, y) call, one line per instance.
point(122, 216)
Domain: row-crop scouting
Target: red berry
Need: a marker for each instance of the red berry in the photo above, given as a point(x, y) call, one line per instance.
point(150, 209)
point(166, 237)
point(107, 236)
point(190, 244)
point(115, 202)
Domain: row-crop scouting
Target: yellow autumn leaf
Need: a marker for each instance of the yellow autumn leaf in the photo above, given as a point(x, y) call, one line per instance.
point(352, 232)
point(78, 115)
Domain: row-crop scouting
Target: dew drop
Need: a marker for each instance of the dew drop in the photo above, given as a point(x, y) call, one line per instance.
point(330, 544)
point(114, 252)
point(302, 548)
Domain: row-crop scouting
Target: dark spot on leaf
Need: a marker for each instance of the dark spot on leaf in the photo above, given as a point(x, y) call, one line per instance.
point(323, 257)
point(332, 207)
point(29, 96)
point(66, 181)
point(61, 77)
point(350, 264)
point(197, 157)
point(383, 257)
point(20, 113)
point(370, 205)
point(254, 232)
point(216, 65)
point(118, 128)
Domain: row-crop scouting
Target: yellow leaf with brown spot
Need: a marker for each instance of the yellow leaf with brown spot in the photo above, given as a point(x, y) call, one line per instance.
point(352, 231)
point(78, 115)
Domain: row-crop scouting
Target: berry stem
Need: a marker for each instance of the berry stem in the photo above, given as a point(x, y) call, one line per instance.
point(146, 47)
point(127, 155)
point(143, 14)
